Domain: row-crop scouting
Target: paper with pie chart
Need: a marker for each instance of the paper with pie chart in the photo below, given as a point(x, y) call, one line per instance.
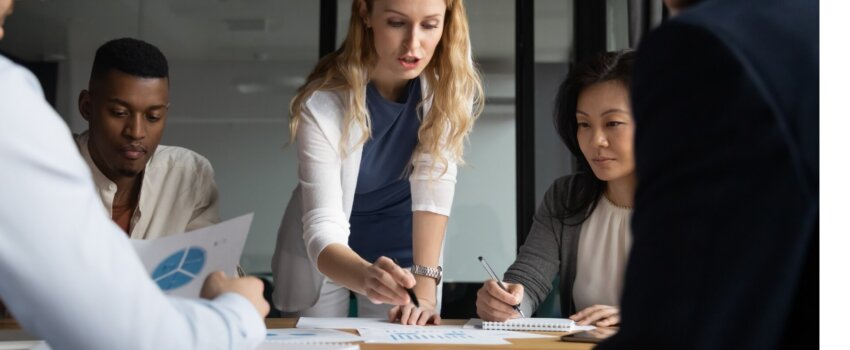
point(180, 263)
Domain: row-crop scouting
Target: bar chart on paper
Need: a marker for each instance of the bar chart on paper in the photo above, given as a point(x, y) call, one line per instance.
point(428, 336)
point(416, 336)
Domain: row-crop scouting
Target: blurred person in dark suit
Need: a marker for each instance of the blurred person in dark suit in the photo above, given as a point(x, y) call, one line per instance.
point(725, 255)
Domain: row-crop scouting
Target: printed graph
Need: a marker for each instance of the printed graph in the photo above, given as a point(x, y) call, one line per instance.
point(429, 336)
point(180, 268)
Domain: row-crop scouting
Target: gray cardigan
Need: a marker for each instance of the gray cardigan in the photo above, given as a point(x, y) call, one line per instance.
point(550, 248)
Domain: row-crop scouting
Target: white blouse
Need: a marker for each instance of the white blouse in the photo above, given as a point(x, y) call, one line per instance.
point(603, 250)
point(318, 211)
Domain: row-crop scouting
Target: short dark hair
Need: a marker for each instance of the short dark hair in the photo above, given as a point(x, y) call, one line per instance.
point(131, 56)
point(602, 67)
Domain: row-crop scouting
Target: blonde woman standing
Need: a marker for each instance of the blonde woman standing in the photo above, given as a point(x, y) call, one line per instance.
point(380, 126)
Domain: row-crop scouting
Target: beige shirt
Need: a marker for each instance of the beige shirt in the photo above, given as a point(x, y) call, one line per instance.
point(178, 192)
point(603, 250)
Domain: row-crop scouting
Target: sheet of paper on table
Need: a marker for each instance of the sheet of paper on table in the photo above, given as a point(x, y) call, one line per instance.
point(357, 323)
point(310, 336)
point(287, 346)
point(425, 335)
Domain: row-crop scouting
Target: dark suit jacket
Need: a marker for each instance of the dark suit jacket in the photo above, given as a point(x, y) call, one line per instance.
point(725, 99)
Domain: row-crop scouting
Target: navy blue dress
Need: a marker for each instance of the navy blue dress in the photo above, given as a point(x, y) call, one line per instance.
point(381, 216)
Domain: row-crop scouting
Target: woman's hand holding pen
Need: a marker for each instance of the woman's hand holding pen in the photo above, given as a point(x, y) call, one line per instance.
point(495, 304)
point(386, 282)
point(422, 309)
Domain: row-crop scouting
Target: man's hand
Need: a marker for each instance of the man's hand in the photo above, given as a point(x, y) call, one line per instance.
point(251, 288)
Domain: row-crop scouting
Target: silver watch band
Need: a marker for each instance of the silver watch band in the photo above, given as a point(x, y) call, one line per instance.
point(427, 271)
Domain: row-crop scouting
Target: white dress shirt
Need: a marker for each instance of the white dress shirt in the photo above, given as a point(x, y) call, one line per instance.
point(318, 211)
point(178, 192)
point(67, 273)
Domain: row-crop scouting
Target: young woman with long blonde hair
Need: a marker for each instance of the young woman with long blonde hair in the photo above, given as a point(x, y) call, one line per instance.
point(380, 126)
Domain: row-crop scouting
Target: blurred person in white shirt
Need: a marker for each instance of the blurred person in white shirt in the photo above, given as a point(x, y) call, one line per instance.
point(69, 275)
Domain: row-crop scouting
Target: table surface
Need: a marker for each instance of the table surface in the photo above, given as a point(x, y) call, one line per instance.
point(525, 344)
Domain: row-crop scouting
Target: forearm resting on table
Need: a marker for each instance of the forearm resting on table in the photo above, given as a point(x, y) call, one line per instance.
point(343, 266)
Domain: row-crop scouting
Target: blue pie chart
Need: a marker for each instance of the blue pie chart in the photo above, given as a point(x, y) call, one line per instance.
point(180, 268)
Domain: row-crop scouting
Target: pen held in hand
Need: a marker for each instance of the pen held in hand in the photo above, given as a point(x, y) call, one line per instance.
point(499, 282)
point(410, 292)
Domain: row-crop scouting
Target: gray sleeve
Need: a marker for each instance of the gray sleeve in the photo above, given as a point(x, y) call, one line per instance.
point(539, 257)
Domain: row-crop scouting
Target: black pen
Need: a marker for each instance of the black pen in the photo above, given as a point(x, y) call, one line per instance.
point(493, 275)
point(409, 290)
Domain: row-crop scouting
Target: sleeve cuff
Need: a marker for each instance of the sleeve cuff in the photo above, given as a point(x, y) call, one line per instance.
point(432, 208)
point(252, 327)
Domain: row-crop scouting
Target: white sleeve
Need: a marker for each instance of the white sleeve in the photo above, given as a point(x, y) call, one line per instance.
point(320, 176)
point(432, 184)
point(67, 273)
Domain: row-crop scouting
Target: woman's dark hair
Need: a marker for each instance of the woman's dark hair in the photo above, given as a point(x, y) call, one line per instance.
point(586, 187)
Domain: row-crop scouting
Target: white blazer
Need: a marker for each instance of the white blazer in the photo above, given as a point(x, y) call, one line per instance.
point(318, 212)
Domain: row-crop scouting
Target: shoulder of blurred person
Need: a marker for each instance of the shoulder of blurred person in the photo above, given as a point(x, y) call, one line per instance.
point(777, 44)
point(18, 77)
point(726, 98)
point(774, 44)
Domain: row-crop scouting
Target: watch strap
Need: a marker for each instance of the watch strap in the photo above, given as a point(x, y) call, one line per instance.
point(428, 271)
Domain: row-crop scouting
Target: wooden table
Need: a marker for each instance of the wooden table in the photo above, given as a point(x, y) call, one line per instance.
point(524, 344)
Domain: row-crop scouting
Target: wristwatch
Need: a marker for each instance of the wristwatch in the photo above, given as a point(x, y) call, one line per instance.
point(427, 271)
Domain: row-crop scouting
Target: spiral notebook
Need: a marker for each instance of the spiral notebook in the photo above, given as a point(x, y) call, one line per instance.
point(532, 324)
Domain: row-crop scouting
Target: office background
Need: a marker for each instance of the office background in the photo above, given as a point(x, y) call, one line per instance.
point(235, 65)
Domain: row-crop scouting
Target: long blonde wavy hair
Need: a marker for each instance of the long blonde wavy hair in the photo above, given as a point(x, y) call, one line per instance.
point(453, 80)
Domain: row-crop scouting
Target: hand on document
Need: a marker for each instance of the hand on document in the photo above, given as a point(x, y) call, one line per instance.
point(598, 315)
point(412, 315)
point(251, 288)
point(495, 304)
